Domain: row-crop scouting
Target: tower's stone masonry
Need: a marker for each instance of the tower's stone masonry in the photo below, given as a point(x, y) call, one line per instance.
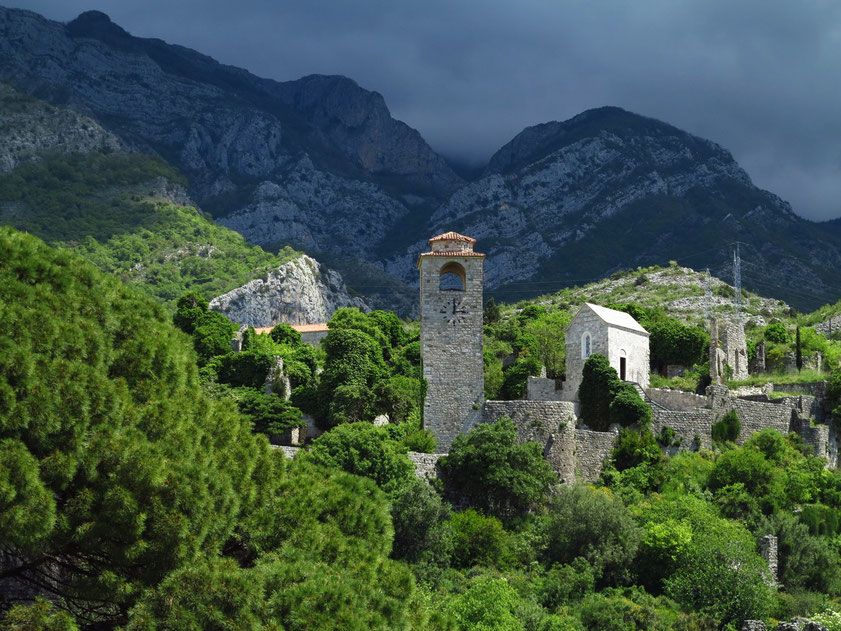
point(451, 336)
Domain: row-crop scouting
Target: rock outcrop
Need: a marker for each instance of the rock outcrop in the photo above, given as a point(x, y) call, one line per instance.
point(29, 127)
point(301, 291)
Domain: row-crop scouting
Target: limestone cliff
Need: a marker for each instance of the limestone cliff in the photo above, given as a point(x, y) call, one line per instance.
point(301, 291)
point(29, 127)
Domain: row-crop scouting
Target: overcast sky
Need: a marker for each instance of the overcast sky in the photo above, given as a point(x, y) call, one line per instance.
point(760, 77)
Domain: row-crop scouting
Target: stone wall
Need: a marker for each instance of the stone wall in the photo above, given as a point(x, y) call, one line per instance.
point(585, 321)
point(814, 388)
point(756, 416)
point(542, 389)
point(591, 450)
point(693, 428)
point(426, 465)
point(451, 344)
point(535, 420)
point(677, 399)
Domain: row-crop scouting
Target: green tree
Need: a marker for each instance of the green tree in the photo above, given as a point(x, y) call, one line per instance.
point(674, 343)
point(598, 384)
point(478, 540)
point(487, 605)
point(366, 450)
point(285, 334)
point(491, 313)
point(594, 525)
point(494, 472)
point(105, 426)
point(420, 529)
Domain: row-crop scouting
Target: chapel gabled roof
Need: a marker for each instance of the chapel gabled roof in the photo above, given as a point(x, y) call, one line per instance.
point(612, 317)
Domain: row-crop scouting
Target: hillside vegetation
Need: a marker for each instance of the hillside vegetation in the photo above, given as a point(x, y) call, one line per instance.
point(670, 302)
point(124, 213)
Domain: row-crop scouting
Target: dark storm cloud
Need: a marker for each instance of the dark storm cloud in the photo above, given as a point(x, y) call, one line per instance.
point(760, 77)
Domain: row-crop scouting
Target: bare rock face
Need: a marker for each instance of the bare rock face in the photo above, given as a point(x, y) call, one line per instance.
point(301, 291)
point(29, 127)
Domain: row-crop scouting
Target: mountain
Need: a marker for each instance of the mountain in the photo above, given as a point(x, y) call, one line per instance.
point(72, 183)
point(319, 164)
point(567, 202)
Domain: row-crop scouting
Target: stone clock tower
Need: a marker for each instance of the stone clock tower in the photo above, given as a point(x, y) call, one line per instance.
point(451, 336)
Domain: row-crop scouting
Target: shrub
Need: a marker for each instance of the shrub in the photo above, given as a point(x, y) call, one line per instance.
point(728, 428)
point(566, 584)
point(487, 605)
point(634, 447)
point(285, 334)
point(366, 450)
point(627, 408)
point(420, 529)
point(494, 472)
point(598, 381)
point(478, 540)
point(595, 525)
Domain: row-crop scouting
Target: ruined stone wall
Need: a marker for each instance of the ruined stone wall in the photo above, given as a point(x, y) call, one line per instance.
point(535, 420)
point(756, 416)
point(693, 428)
point(591, 450)
point(735, 348)
point(814, 388)
point(542, 389)
point(426, 465)
point(814, 436)
point(677, 399)
point(451, 347)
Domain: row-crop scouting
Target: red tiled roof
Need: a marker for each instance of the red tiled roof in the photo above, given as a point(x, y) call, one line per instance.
point(452, 236)
point(452, 255)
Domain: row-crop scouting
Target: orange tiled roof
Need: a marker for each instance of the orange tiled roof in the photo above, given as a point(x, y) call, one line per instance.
point(311, 328)
point(300, 328)
point(452, 236)
point(452, 255)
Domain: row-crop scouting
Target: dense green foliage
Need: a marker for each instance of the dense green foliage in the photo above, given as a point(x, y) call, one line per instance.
point(606, 400)
point(728, 428)
point(365, 450)
point(157, 502)
point(495, 473)
point(371, 367)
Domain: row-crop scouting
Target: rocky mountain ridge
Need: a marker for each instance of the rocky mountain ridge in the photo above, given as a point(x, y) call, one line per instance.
point(319, 164)
point(158, 241)
point(301, 291)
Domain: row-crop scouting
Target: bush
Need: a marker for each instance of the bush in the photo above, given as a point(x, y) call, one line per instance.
point(595, 525)
point(728, 428)
point(487, 605)
point(627, 408)
point(494, 472)
point(566, 584)
point(366, 450)
point(598, 382)
point(420, 529)
point(478, 540)
point(285, 334)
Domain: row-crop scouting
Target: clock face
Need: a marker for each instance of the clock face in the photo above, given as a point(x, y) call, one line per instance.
point(454, 310)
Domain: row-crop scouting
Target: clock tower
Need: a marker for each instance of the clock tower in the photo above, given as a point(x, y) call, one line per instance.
point(451, 336)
